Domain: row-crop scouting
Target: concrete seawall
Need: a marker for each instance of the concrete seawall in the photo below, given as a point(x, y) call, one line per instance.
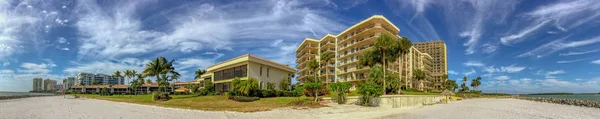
point(396, 101)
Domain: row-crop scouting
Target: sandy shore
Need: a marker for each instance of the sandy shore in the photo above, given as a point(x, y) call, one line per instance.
point(58, 107)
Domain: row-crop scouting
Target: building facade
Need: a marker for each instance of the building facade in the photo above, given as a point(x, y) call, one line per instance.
point(437, 50)
point(247, 67)
point(38, 84)
point(49, 85)
point(68, 83)
point(350, 44)
point(98, 79)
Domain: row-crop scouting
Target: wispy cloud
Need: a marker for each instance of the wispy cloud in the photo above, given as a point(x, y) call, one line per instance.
point(515, 38)
point(571, 61)
point(452, 72)
point(503, 78)
point(550, 74)
point(470, 72)
point(473, 64)
point(204, 27)
point(558, 45)
point(596, 62)
point(507, 69)
point(578, 53)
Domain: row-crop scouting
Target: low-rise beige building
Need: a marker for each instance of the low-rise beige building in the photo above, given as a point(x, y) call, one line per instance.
point(247, 67)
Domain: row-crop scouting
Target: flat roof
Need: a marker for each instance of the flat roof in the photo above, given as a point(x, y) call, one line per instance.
point(283, 66)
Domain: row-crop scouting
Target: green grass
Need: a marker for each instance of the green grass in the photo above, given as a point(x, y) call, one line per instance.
point(211, 103)
point(405, 92)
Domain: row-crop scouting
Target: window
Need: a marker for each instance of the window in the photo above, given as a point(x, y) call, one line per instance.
point(261, 70)
point(267, 72)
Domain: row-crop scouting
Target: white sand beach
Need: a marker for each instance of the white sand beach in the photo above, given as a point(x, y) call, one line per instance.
point(59, 108)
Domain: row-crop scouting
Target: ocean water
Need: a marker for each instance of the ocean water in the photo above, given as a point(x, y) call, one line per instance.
point(591, 97)
point(21, 93)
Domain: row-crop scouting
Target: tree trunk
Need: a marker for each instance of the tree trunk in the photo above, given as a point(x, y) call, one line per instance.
point(316, 95)
point(383, 60)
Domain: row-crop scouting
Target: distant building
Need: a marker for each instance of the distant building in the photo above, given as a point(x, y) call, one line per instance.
point(58, 87)
point(49, 85)
point(97, 79)
point(68, 82)
point(38, 84)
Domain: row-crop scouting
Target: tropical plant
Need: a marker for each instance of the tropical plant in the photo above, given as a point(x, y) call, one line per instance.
point(445, 79)
point(314, 87)
point(419, 75)
point(163, 70)
point(148, 81)
point(450, 85)
point(340, 89)
point(404, 46)
point(199, 73)
point(313, 65)
point(118, 74)
point(476, 82)
point(394, 82)
point(326, 57)
point(386, 48)
point(270, 86)
point(369, 90)
point(464, 88)
point(284, 84)
point(136, 83)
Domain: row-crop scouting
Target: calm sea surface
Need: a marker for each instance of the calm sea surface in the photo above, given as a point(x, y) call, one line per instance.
point(21, 93)
point(591, 97)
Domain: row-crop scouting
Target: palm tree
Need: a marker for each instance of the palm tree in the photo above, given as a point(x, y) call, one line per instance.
point(118, 74)
point(476, 82)
point(419, 75)
point(326, 57)
point(161, 67)
point(445, 78)
point(404, 46)
point(463, 85)
point(199, 73)
point(384, 45)
point(313, 65)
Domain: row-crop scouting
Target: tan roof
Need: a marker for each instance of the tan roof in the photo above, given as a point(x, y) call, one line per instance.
point(191, 82)
point(249, 55)
point(182, 89)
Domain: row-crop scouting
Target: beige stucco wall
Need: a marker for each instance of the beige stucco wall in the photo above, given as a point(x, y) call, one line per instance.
point(276, 75)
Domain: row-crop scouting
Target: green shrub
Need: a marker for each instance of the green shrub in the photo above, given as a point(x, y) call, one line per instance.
point(268, 93)
point(369, 90)
point(339, 91)
point(233, 93)
point(243, 98)
point(161, 96)
point(280, 93)
point(216, 93)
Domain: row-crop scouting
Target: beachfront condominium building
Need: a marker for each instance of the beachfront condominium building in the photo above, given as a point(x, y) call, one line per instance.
point(68, 83)
point(38, 84)
point(437, 50)
point(97, 79)
point(347, 48)
point(247, 67)
point(49, 85)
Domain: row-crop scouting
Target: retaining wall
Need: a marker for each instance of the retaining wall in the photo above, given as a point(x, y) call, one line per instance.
point(396, 101)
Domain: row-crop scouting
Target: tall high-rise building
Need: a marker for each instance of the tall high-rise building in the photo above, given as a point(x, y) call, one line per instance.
point(97, 79)
point(38, 84)
point(437, 50)
point(68, 83)
point(49, 85)
point(349, 45)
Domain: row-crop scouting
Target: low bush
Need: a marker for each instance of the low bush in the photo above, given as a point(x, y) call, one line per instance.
point(243, 98)
point(160, 96)
point(268, 93)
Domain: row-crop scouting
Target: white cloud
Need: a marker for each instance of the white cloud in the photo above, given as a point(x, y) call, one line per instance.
point(558, 45)
point(452, 72)
point(503, 77)
point(5, 64)
point(107, 66)
point(508, 69)
point(197, 63)
point(596, 62)
point(203, 27)
point(470, 72)
point(33, 68)
point(550, 74)
point(474, 64)
point(489, 48)
point(570, 13)
point(515, 38)
point(578, 53)
point(571, 61)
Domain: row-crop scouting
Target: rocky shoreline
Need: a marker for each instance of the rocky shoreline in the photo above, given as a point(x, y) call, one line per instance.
point(20, 96)
point(584, 103)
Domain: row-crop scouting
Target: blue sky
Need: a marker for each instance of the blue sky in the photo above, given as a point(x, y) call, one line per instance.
point(529, 46)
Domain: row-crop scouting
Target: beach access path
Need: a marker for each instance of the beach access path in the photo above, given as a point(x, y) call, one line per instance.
point(58, 107)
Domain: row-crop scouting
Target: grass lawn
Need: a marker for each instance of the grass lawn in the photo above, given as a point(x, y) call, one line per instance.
point(210, 103)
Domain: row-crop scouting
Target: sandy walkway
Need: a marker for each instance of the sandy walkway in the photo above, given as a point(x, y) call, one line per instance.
point(57, 107)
